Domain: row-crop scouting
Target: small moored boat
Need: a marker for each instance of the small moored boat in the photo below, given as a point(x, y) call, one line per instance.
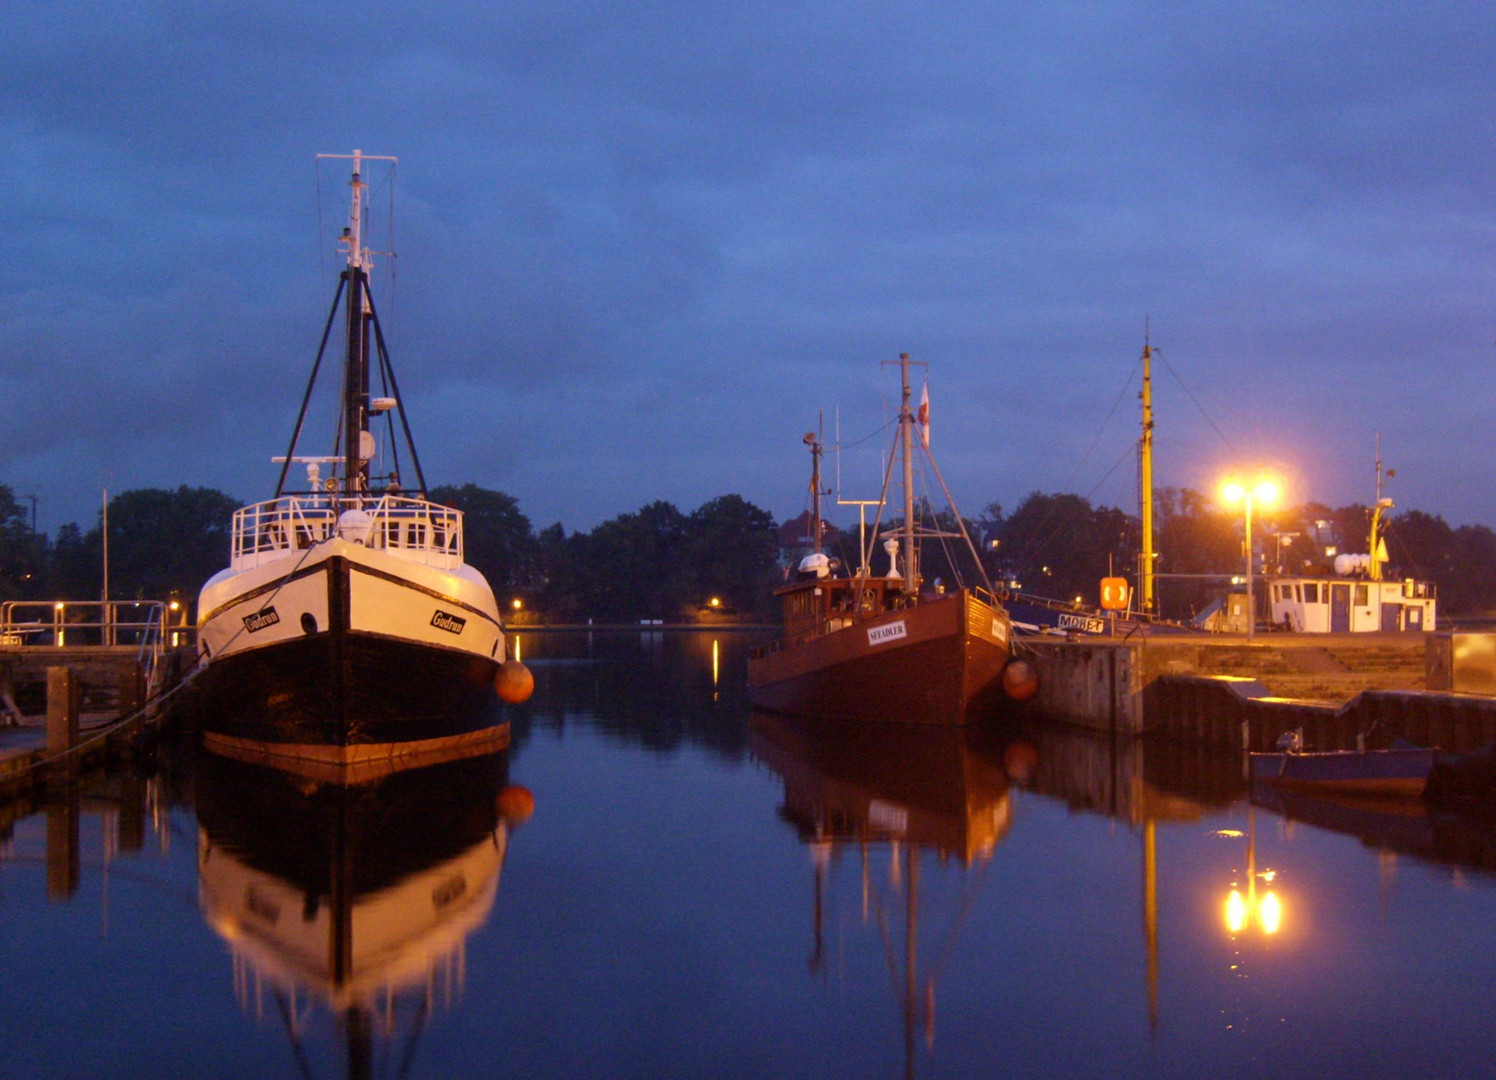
point(1399, 771)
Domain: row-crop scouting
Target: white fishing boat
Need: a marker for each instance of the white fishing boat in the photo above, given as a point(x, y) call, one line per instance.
point(1358, 598)
point(348, 630)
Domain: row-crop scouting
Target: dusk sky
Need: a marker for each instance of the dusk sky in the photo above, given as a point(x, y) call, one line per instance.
point(641, 245)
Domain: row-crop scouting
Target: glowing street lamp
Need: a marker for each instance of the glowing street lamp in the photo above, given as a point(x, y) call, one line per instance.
point(1264, 493)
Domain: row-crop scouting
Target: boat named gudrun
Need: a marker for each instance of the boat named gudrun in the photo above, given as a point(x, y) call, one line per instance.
point(348, 632)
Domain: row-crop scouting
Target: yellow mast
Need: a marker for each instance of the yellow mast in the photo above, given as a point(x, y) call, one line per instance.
point(1145, 486)
point(1377, 551)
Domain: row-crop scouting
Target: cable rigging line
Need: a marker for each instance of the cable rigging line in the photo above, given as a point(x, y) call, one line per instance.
point(1036, 549)
point(1032, 551)
point(1191, 395)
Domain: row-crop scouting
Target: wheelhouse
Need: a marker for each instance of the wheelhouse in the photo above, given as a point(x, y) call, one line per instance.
point(1349, 606)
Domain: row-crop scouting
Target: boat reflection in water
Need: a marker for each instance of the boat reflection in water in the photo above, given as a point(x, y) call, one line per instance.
point(349, 906)
point(914, 788)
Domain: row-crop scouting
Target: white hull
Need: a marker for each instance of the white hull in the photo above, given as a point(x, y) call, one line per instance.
point(346, 657)
point(388, 596)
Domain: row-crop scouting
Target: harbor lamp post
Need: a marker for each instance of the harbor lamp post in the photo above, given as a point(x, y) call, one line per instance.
point(1264, 493)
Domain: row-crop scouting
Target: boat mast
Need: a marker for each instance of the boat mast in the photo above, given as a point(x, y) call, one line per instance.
point(356, 355)
point(815, 490)
point(1145, 484)
point(1375, 557)
point(906, 447)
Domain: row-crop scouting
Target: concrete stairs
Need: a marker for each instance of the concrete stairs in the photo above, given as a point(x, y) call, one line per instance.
point(1324, 668)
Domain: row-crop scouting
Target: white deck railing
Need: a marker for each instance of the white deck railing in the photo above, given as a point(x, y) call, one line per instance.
point(414, 529)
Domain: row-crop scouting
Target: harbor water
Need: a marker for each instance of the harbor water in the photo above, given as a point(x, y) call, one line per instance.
point(655, 881)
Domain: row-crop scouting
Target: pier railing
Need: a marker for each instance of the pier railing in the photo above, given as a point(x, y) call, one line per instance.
point(150, 626)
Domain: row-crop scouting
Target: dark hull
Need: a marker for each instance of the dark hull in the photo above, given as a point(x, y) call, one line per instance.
point(1038, 617)
point(350, 706)
point(1370, 772)
point(945, 667)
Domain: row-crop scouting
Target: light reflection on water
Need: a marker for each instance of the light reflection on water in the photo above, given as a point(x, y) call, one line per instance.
point(704, 891)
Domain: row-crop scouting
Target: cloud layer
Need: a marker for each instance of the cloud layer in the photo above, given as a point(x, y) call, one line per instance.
point(642, 246)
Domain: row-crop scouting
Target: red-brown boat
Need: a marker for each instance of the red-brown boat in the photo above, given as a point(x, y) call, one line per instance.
point(883, 648)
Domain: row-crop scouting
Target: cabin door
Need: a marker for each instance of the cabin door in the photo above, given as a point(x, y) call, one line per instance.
point(1415, 617)
point(1392, 616)
point(1340, 609)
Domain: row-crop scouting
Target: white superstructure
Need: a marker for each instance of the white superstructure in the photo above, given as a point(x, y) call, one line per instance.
point(1321, 605)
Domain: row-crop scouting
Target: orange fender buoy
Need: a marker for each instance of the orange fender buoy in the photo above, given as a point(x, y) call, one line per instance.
point(515, 804)
point(1020, 680)
point(513, 682)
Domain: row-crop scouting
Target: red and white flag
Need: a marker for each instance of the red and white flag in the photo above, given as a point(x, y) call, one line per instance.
point(922, 418)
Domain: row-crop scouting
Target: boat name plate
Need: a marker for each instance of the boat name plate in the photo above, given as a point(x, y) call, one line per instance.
point(450, 623)
point(1084, 623)
point(266, 616)
point(877, 635)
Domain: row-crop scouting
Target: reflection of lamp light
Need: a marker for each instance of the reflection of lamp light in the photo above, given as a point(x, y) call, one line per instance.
point(1264, 493)
point(1265, 911)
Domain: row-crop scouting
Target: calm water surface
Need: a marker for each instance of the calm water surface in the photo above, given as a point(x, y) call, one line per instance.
point(703, 891)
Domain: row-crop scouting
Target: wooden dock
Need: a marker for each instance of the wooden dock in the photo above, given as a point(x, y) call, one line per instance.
point(78, 707)
point(76, 688)
point(112, 680)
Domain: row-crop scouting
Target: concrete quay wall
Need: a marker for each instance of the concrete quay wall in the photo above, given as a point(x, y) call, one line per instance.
point(1225, 693)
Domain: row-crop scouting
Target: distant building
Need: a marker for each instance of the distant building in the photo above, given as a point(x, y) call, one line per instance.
point(797, 538)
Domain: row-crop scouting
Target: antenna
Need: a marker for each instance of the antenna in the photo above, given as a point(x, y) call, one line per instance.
point(861, 504)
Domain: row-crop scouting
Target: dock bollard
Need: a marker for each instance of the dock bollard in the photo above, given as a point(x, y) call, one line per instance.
point(62, 710)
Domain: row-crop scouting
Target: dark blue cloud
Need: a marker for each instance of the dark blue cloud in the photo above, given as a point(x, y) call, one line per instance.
point(641, 245)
